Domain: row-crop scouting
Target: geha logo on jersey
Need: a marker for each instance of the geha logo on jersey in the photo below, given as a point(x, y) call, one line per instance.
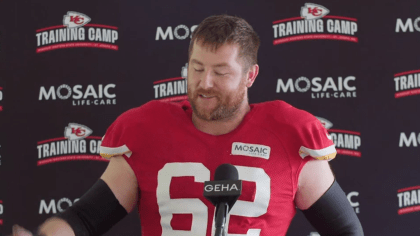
point(81, 95)
point(407, 83)
point(409, 139)
point(180, 32)
point(346, 142)
point(76, 32)
point(172, 89)
point(408, 200)
point(77, 144)
point(410, 25)
point(54, 207)
point(315, 23)
point(330, 87)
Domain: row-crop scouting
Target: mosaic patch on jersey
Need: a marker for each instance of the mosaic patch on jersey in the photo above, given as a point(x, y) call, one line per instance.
point(252, 150)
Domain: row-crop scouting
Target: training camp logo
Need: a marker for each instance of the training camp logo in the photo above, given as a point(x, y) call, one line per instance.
point(75, 32)
point(312, 24)
point(408, 200)
point(54, 207)
point(77, 144)
point(346, 142)
point(172, 89)
point(409, 139)
point(330, 87)
point(1, 98)
point(409, 25)
point(407, 83)
point(81, 95)
point(180, 32)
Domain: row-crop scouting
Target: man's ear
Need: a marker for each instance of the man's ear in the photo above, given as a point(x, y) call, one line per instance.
point(252, 75)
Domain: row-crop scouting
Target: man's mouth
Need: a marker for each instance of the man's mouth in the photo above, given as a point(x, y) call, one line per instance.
point(207, 96)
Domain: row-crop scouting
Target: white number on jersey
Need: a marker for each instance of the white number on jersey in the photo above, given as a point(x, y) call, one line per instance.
point(168, 206)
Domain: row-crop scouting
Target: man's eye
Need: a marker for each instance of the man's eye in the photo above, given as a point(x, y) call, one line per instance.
point(198, 70)
point(220, 74)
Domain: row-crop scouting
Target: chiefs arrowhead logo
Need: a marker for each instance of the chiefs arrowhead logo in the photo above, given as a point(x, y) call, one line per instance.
point(313, 11)
point(75, 19)
point(76, 131)
point(326, 123)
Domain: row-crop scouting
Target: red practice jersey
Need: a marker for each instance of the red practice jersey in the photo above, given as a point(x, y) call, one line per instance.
point(171, 160)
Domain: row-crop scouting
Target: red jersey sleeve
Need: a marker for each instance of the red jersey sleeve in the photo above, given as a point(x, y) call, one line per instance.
point(316, 142)
point(116, 140)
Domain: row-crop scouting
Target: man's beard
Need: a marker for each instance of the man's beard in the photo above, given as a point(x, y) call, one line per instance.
point(223, 110)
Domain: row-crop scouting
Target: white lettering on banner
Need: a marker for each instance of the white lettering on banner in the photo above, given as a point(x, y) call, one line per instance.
point(52, 207)
point(1, 95)
point(163, 35)
point(411, 140)
point(76, 34)
point(328, 88)
point(408, 25)
point(1, 209)
point(407, 82)
point(170, 88)
point(355, 205)
point(409, 198)
point(348, 141)
point(314, 26)
point(67, 147)
point(168, 206)
point(78, 94)
point(100, 95)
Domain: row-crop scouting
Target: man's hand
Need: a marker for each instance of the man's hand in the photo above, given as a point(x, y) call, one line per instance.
point(20, 231)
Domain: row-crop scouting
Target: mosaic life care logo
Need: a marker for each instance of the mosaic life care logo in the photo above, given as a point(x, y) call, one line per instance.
point(409, 139)
point(315, 23)
point(101, 94)
point(54, 207)
point(75, 32)
point(407, 83)
point(346, 142)
point(408, 200)
point(410, 25)
point(330, 87)
point(179, 32)
point(172, 89)
point(77, 144)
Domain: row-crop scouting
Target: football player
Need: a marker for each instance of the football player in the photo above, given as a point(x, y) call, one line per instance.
point(161, 153)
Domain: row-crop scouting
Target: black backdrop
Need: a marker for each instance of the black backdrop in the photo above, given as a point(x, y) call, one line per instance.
point(380, 173)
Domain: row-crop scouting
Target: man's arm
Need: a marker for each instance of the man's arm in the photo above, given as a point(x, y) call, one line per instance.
point(324, 203)
point(122, 181)
point(315, 179)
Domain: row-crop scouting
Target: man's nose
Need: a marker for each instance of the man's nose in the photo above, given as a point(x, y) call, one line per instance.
point(207, 80)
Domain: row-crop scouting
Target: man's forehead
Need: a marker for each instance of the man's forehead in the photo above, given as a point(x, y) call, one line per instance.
point(222, 64)
point(216, 57)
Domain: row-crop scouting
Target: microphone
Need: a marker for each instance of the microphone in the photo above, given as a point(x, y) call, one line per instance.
point(223, 193)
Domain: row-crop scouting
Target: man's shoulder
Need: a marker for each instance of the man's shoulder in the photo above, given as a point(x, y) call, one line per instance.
point(282, 112)
point(151, 111)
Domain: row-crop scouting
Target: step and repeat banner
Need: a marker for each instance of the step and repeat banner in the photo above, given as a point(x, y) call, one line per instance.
point(69, 69)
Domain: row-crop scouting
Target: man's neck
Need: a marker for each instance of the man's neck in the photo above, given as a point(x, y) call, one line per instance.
point(224, 126)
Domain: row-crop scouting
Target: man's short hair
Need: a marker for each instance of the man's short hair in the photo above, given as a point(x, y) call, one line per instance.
point(214, 31)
